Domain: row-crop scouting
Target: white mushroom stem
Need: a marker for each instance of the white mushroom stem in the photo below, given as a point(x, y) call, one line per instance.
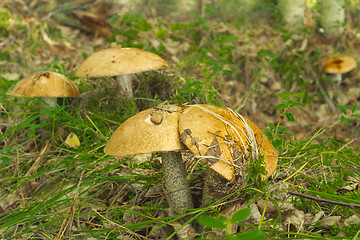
point(175, 182)
point(336, 78)
point(50, 101)
point(124, 82)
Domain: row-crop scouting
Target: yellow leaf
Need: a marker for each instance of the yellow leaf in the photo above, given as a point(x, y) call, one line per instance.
point(72, 141)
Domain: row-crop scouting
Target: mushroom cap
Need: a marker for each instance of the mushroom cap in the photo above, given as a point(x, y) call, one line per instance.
point(46, 84)
point(336, 64)
point(117, 61)
point(152, 130)
point(210, 131)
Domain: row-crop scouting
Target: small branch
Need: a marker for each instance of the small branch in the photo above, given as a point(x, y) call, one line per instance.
point(351, 205)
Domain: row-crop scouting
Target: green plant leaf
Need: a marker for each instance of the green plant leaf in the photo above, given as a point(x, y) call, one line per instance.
point(354, 108)
point(289, 117)
point(343, 108)
point(211, 222)
point(250, 235)
point(355, 115)
point(276, 143)
point(240, 215)
point(267, 133)
point(6, 160)
point(234, 67)
point(285, 96)
point(345, 120)
point(282, 105)
point(228, 72)
point(296, 104)
point(298, 95)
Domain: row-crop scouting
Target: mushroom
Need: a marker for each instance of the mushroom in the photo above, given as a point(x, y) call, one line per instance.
point(46, 85)
point(223, 139)
point(335, 66)
point(156, 130)
point(120, 62)
point(227, 142)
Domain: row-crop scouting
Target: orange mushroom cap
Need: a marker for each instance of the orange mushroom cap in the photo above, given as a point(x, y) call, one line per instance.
point(46, 84)
point(117, 61)
point(227, 137)
point(339, 65)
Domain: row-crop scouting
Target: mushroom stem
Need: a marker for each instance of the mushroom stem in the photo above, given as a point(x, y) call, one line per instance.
point(336, 78)
point(124, 82)
point(214, 185)
point(50, 101)
point(175, 181)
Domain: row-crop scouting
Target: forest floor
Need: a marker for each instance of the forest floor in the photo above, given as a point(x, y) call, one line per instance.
point(243, 67)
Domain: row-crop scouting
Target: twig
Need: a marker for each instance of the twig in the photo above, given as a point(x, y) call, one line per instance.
point(351, 205)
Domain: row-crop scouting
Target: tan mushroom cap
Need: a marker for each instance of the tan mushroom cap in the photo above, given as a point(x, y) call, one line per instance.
point(47, 84)
point(206, 135)
point(152, 130)
point(117, 61)
point(336, 65)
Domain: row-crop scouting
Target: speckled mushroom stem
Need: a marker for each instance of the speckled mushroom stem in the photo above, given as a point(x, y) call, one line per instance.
point(124, 82)
point(175, 182)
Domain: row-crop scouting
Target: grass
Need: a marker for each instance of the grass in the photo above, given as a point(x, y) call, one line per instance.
point(50, 190)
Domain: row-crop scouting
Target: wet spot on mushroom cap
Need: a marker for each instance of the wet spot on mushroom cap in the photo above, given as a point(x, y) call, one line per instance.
point(43, 81)
point(157, 117)
point(139, 134)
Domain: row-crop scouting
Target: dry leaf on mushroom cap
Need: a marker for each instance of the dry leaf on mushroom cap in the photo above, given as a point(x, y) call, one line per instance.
point(224, 139)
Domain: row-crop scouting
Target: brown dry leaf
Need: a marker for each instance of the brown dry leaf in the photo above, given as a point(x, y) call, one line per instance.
point(354, 219)
point(312, 218)
point(255, 215)
point(353, 185)
point(278, 191)
point(94, 23)
point(330, 221)
point(11, 76)
point(141, 158)
point(293, 220)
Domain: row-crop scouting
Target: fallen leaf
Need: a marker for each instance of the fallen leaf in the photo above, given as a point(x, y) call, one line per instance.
point(330, 221)
point(352, 220)
point(72, 141)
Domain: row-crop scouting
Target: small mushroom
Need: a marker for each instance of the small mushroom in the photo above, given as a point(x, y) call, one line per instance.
point(120, 62)
point(156, 130)
point(336, 66)
point(46, 85)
